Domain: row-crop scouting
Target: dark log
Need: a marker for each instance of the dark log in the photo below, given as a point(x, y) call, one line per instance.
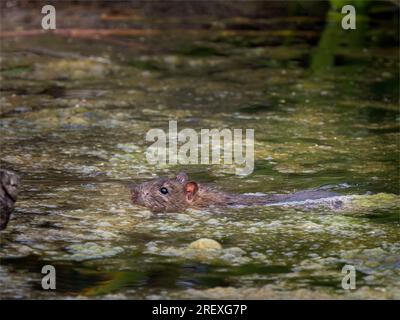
point(8, 195)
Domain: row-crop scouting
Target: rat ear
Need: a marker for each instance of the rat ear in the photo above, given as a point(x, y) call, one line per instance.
point(182, 177)
point(191, 189)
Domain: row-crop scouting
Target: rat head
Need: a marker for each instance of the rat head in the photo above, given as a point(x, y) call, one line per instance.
point(165, 195)
point(9, 182)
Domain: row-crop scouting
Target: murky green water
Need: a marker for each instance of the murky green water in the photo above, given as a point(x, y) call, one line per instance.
point(324, 113)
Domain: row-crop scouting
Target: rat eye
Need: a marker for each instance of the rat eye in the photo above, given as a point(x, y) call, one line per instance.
point(164, 190)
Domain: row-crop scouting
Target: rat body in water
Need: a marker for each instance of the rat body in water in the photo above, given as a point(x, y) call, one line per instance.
point(179, 193)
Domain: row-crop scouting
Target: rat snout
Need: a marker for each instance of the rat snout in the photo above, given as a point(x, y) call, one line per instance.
point(134, 193)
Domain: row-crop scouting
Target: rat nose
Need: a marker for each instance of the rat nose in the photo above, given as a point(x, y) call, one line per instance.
point(134, 193)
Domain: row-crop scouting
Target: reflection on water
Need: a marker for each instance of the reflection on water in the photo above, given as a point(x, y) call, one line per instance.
point(325, 112)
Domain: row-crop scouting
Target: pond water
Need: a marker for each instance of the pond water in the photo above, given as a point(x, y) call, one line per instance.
point(324, 107)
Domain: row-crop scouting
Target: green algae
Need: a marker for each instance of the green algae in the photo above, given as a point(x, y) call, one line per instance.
point(89, 251)
point(374, 202)
point(72, 69)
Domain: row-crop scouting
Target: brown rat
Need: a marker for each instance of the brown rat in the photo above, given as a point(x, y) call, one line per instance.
point(9, 183)
point(179, 193)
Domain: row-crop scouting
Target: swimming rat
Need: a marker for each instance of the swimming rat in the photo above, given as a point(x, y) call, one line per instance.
point(179, 193)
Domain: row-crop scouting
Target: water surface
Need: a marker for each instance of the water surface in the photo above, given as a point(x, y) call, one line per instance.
point(324, 108)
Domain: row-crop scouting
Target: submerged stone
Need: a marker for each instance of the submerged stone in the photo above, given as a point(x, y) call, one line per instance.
point(204, 244)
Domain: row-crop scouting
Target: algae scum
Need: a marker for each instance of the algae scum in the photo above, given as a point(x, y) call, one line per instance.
point(325, 113)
